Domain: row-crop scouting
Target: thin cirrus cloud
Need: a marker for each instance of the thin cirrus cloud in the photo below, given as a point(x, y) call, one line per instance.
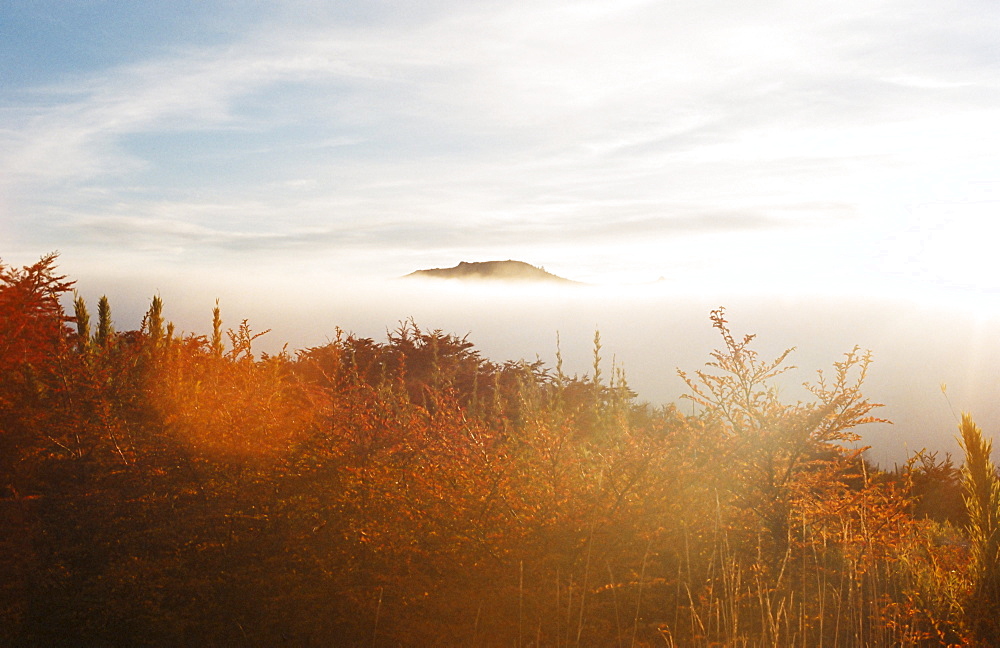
point(729, 147)
point(509, 123)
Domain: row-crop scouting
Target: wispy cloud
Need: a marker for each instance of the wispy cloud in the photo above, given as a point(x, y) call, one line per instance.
point(511, 122)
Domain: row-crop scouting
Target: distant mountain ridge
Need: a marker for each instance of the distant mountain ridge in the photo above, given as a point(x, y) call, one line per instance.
point(508, 270)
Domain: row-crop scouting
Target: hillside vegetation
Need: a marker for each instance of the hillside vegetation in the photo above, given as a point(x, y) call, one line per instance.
point(166, 490)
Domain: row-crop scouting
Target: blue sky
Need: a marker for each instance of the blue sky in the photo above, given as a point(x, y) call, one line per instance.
point(286, 157)
point(817, 144)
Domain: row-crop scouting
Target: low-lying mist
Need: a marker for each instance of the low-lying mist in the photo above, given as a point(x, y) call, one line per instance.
point(647, 330)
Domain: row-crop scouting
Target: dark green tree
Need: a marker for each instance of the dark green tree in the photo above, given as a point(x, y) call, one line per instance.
point(153, 323)
point(105, 330)
point(82, 323)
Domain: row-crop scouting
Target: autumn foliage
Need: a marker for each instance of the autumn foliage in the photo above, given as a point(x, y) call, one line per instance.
point(158, 489)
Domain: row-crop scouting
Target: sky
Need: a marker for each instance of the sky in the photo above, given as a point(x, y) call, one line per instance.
point(831, 164)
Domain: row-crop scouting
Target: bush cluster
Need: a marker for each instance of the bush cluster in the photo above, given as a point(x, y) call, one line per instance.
point(158, 489)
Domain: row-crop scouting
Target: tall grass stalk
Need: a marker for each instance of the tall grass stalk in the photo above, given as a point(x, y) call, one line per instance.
point(614, 594)
point(475, 625)
point(982, 501)
point(583, 590)
point(638, 597)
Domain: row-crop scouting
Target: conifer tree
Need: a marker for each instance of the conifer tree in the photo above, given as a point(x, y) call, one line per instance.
point(105, 330)
point(82, 323)
point(32, 321)
point(154, 322)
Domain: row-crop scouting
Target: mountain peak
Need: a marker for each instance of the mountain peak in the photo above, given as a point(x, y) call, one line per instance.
point(508, 270)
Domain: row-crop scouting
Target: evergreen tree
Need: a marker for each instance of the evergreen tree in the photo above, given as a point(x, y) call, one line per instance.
point(154, 323)
point(105, 330)
point(32, 321)
point(82, 323)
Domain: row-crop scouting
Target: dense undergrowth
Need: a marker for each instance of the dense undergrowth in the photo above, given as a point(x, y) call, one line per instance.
point(167, 490)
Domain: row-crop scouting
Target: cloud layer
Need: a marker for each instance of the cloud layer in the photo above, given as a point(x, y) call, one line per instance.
point(584, 133)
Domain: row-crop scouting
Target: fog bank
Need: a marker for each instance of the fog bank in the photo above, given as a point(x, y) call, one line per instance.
point(649, 330)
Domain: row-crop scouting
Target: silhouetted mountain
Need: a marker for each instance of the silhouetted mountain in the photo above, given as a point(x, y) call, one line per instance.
point(492, 270)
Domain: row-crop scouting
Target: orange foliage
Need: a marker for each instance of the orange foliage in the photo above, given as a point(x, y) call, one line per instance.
point(164, 490)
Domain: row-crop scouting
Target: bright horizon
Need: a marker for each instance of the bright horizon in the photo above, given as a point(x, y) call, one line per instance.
point(836, 161)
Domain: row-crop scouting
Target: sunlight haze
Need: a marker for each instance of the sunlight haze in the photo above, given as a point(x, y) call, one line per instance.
point(828, 171)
